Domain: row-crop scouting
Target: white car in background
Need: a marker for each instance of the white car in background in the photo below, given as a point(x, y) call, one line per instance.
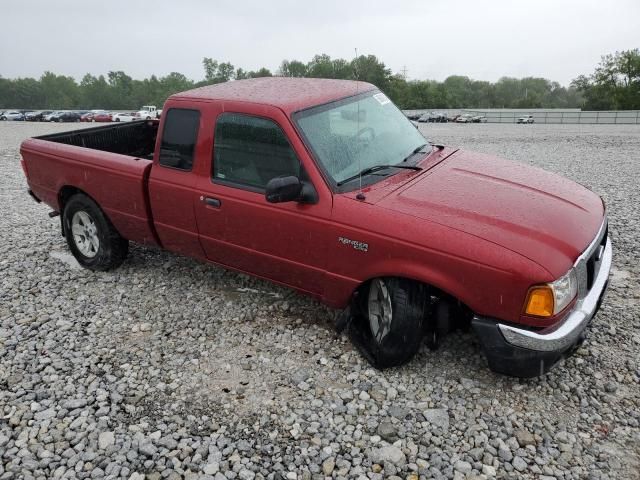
point(525, 119)
point(12, 115)
point(465, 118)
point(123, 117)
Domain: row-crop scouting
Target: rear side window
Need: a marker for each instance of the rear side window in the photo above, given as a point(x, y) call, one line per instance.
point(179, 138)
point(250, 151)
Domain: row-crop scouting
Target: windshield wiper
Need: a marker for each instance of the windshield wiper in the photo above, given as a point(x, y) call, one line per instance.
point(415, 150)
point(375, 168)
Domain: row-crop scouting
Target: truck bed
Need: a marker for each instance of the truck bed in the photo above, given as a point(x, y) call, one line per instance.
point(111, 164)
point(135, 139)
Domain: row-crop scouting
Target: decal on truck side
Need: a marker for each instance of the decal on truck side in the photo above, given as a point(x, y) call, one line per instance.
point(363, 247)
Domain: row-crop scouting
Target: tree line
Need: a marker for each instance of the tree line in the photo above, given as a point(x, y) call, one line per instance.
point(615, 84)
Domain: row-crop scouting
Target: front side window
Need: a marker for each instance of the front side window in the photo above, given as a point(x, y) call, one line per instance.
point(351, 135)
point(179, 138)
point(249, 151)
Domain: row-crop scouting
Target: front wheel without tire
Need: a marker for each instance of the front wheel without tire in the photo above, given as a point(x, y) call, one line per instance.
point(389, 329)
point(91, 237)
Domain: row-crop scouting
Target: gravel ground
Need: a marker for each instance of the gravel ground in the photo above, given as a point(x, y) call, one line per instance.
point(168, 368)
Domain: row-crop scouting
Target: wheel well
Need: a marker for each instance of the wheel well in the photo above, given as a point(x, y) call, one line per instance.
point(436, 296)
point(65, 194)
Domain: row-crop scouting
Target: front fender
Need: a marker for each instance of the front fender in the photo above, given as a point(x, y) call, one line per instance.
point(491, 280)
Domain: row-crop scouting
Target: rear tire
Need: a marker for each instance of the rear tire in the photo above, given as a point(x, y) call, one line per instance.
point(91, 237)
point(389, 329)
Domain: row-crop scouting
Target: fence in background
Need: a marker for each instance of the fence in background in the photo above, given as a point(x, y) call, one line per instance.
point(573, 116)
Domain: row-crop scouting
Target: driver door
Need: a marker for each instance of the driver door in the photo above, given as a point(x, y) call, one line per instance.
point(284, 242)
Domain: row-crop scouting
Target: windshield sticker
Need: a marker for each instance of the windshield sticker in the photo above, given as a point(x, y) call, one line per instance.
point(381, 98)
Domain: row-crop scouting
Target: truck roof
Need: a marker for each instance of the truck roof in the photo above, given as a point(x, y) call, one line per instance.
point(289, 94)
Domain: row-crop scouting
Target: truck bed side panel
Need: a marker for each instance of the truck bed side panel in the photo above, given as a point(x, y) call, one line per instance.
point(116, 182)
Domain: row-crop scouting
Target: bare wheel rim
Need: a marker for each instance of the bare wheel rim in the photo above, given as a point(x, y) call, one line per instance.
point(379, 309)
point(85, 234)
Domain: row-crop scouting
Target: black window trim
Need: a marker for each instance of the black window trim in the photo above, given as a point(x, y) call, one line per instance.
point(193, 161)
point(244, 186)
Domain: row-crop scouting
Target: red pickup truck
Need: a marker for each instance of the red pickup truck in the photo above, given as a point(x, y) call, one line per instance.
point(324, 186)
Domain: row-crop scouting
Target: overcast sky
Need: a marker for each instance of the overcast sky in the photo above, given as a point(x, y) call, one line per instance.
point(484, 39)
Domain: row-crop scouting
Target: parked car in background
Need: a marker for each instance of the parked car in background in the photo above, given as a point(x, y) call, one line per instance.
point(464, 118)
point(13, 115)
point(87, 116)
point(123, 117)
point(68, 117)
point(147, 112)
point(433, 117)
point(525, 119)
point(53, 116)
point(453, 118)
point(37, 116)
point(479, 119)
point(101, 117)
point(439, 117)
point(413, 116)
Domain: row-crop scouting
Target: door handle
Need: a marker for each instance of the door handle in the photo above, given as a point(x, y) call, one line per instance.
point(212, 202)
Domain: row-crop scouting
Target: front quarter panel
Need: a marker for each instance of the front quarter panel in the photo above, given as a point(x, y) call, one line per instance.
point(369, 241)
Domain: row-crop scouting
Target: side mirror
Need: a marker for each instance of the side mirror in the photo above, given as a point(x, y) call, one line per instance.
point(283, 189)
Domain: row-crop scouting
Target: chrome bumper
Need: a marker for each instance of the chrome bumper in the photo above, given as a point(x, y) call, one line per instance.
point(561, 337)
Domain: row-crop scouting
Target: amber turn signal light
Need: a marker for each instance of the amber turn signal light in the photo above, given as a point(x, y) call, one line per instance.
point(540, 301)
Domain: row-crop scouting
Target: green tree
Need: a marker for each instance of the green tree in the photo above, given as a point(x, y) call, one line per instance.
point(215, 72)
point(293, 68)
point(615, 83)
point(210, 69)
point(95, 92)
point(121, 87)
point(368, 68)
point(321, 66)
point(25, 91)
point(59, 91)
point(263, 72)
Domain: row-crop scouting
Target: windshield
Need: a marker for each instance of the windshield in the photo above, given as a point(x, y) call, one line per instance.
point(351, 135)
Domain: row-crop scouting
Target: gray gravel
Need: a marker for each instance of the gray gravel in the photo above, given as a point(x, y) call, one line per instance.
point(168, 368)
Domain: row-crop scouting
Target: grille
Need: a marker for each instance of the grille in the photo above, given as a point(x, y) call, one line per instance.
point(588, 264)
point(593, 263)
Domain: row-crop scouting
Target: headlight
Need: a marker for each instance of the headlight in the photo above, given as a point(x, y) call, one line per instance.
point(551, 298)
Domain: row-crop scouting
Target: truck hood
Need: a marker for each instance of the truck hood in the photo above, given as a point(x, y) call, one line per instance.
point(539, 215)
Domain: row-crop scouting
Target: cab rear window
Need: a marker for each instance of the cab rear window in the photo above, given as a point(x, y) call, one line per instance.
point(179, 138)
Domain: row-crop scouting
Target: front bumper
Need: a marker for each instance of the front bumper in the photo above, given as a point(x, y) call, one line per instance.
point(525, 353)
